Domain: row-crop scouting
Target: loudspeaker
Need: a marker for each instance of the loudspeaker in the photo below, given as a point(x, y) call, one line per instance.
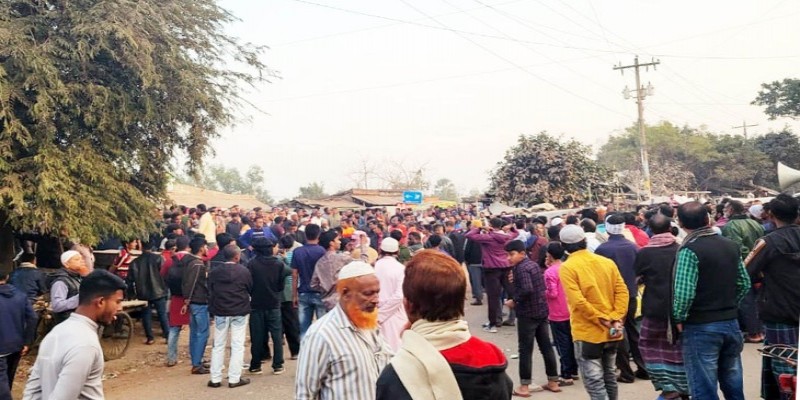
point(787, 176)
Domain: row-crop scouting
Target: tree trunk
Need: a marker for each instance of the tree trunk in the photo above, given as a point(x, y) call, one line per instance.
point(6, 245)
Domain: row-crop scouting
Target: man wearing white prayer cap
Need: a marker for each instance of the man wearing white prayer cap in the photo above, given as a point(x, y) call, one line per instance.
point(343, 353)
point(66, 283)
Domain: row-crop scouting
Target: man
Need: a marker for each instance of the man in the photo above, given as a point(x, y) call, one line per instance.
point(391, 314)
point(446, 243)
point(234, 226)
point(623, 252)
point(146, 283)
point(258, 230)
point(343, 353)
point(662, 355)
point(17, 330)
point(530, 305)
point(28, 278)
point(304, 259)
point(195, 291)
point(457, 239)
point(403, 253)
point(639, 236)
point(415, 243)
point(334, 218)
point(70, 360)
point(773, 264)
point(710, 282)
point(439, 359)
point(229, 302)
point(745, 232)
point(590, 228)
point(436, 242)
point(473, 257)
point(495, 267)
point(598, 302)
point(207, 226)
point(66, 284)
point(323, 281)
point(268, 274)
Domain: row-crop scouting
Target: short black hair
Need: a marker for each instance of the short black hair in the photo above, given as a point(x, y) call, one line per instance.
point(327, 238)
point(573, 247)
point(287, 241)
point(196, 244)
point(553, 232)
point(99, 283)
point(230, 251)
point(415, 235)
point(312, 231)
point(224, 239)
point(496, 223)
point(556, 249)
point(615, 219)
point(27, 257)
point(783, 207)
point(263, 246)
point(515, 245)
point(666, 210)
point(588, 225)
point(572, 220)
point(590, 213)
point(435, 240)
point(182, 243)
point(396, 234)
point(693, 215)
point(630, 218)
point(737, 207)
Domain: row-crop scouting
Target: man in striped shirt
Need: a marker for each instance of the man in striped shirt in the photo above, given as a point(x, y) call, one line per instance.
point(343, 353)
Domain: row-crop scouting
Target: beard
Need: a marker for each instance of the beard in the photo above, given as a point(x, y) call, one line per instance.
point(360, 318)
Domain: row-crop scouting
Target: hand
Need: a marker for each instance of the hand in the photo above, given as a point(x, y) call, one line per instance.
point(24, 351)
point(679, 327)
point(605, 322)
point(295, 302)
point(510, 303)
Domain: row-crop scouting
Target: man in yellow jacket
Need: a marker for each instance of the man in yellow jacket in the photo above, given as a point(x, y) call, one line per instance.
point(598, 301)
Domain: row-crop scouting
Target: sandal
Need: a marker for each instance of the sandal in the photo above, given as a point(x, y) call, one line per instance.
point(554, 389)
point(518, 394)
point(565, 382)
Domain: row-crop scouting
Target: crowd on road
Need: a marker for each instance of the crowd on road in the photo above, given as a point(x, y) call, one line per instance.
point(371, 302)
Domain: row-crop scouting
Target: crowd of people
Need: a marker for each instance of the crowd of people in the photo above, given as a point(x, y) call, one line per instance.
point(372, 302)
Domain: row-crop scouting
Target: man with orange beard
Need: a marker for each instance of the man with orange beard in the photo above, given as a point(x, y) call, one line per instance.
point(343, 353)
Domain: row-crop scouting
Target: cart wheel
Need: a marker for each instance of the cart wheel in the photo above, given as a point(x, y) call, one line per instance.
point(116, 337)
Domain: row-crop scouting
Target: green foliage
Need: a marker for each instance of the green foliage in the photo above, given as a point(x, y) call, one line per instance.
point(96, 97)
point(313, 191)
point(780, 99)
point(230, 180)
point(445, 190)
point(782, 146)
point(544, 168)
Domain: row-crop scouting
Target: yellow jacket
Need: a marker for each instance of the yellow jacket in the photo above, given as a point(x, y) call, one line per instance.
point(594, 290)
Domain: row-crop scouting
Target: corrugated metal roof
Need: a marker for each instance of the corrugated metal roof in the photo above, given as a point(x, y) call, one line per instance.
point(372, 200)
point(330, 203)
point(191, 196)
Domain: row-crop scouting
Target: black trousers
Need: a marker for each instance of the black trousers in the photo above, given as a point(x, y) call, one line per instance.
point(8, 368)
point(630, 345)
point(291, 327)
point(529, 329)
point(495, 280)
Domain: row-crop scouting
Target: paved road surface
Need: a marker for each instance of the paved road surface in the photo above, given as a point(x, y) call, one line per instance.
point(142, 375)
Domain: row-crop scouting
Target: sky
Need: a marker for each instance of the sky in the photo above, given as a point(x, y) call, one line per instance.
point(451, 84)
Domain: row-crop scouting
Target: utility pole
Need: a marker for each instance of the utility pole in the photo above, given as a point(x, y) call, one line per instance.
point(641, 93)
point(744, 127)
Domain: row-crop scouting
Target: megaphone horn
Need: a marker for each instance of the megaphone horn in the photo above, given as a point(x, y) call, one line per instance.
point(787, 176)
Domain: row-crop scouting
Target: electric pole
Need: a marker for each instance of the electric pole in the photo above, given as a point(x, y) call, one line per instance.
point(744, 127)
point(641, 93)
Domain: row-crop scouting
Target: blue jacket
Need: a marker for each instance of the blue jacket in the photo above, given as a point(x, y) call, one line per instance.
point(29, 280)
point(623, 252)
point(17, 320)
point(253, 233)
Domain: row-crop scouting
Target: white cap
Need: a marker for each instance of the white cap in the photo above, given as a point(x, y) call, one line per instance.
point(556, 221)
point(571, 234)
point(355, 269)
point(67, 255)
point(390, 245)
point(756, 210)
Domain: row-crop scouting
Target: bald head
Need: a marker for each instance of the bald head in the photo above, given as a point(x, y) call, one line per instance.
point(660, 223)
point(693, 215)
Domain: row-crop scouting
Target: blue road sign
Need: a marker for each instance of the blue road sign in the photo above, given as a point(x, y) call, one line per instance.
point(412, 197)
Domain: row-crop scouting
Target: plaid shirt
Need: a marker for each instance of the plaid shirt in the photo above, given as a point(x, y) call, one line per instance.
point(686, 275)
point(529, 299)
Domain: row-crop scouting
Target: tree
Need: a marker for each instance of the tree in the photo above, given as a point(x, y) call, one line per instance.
point(230, 180)
point(396, 175)
point(445, 190)
point(780, 99)
point(313, 191)
point(542, 168)
point(782, 146)
point(96, 97)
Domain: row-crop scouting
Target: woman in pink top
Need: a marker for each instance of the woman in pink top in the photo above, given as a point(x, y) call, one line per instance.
point(559, 314)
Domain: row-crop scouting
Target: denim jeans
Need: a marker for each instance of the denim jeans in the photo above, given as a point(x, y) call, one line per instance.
point(711, 354)
point(198, 332)
point(310, 304)
point(172, 343)
point(8, 368)
point(237, 326)
point(263, 323)
point(476, 281)
point(599, 376)
point(529, 329)
point(147, 317)
point(562, 336)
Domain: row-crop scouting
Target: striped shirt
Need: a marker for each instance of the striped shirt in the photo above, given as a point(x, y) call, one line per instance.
point(338, 361)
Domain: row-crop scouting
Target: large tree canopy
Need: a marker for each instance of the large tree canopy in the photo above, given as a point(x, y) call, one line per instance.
point(543, 168)
point(97, 96)
point(780, 99)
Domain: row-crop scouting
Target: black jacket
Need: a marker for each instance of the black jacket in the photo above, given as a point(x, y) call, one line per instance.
point(459, 242)
point(775, 262)
point(654, 266)
point(229, 288)
point(144, 277)
point(17, 320)
point(193, 282)
point(29, 279)
point(472, 253)
point(268, 274)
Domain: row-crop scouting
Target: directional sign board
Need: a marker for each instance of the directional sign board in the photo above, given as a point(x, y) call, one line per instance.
point(412, 197)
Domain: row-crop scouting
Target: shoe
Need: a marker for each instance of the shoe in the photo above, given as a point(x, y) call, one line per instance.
point(509, 322)
point(576, 377)
point(625, 379)
point(293, 357)
point(201, 370)
point(149, 341)
point(476, 303)
point(642, 374)
point(172, 363)
point(255, 371)
point(754, 338)
point(214, 384)
point(206, 364)
point(486, 325)
point(565, 382)
point(278, 371)
point(490, 329)
point(242, 382)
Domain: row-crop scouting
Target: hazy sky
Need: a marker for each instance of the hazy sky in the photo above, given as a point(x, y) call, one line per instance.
point(452, 83)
